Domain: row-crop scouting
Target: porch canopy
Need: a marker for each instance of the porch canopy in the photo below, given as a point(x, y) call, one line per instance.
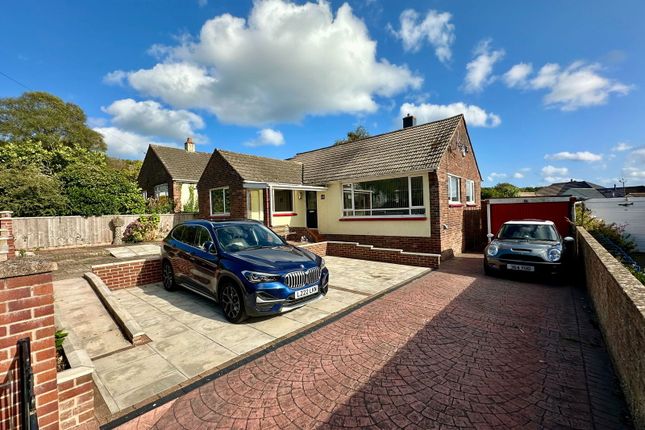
point(271, 185)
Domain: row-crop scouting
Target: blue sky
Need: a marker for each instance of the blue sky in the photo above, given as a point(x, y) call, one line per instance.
point(551, 90)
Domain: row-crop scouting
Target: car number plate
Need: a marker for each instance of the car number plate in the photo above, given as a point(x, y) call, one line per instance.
point(520, 267)
point(306, 292)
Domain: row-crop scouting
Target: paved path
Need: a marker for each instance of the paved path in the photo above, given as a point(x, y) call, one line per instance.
point(80, 311)
point(451, 350)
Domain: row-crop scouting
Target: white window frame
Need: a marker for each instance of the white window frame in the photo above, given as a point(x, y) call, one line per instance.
point(410, 208)
point(293, 203)
point(210, 201)
point(470, 191)
point(162, 190)
point(450, 200)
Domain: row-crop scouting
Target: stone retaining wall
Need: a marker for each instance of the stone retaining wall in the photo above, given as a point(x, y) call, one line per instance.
point(125, 274)
point(619, 301)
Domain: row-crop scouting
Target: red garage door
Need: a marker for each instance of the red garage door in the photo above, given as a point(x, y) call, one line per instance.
point(556, 209)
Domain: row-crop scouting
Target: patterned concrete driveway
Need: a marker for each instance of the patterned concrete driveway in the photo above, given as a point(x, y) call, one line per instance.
point(453, 349)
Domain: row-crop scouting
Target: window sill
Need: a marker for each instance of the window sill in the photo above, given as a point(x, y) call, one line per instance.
point(285, 213)
point(455, 205)
point(220, 215)
point(471, 204)
point(390, 218)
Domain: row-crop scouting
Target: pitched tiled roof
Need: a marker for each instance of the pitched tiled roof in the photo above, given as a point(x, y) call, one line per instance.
point(263, 169)
point(419, 147)
point(181, 164)
point(559, 188)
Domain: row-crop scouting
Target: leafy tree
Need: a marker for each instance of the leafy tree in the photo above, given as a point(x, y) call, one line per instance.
point(130, 168)
point(28, 192)
point(500, 190)
point(358, 133)
point(43, 117)
point(97, 190)
point(49, 160)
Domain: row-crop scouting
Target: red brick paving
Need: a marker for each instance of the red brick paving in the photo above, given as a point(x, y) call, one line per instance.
point(451, 350)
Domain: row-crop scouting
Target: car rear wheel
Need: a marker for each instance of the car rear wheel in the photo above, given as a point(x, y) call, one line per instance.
point(232, 303)
point(168, 277)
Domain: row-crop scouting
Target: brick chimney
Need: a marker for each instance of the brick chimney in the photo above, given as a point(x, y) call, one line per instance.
point(7, 246)
point(409, 121)
point(189, 146)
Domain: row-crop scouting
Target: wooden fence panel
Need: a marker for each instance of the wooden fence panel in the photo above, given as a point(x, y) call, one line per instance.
point(73, 231)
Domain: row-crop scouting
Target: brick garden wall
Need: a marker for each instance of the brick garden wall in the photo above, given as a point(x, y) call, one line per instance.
point(412, 244)
point(76, 401)
point(619, 301)
point(131, 273)
point(368, 252)
point(27, 310)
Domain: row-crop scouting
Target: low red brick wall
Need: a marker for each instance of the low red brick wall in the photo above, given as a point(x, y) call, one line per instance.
point(27, 310)
point(406, 243)
point(368, 252)
point(76, 400)
point(131, 273)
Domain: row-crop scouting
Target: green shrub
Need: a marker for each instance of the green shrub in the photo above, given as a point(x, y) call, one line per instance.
point(143, 229)
point(191, 204)
point(59, 337)
point(159, 205)
point(28, 192)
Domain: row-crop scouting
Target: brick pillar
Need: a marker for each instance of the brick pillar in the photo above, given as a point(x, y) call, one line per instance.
point(176, 196)
point(7, 244)
point(27, 310)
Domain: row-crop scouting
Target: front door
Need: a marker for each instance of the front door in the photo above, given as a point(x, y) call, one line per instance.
point(312, 209)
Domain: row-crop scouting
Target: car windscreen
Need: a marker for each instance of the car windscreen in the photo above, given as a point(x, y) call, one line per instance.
point(528, 232)
point(239, 237)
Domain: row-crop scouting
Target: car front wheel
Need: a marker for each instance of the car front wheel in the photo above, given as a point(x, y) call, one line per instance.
point(232, 303)
point(168, 277)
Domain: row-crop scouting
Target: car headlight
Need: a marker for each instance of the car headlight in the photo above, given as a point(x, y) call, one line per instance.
point(322, 263)
point(259, 277)
point(492, 249)
point(554, 254)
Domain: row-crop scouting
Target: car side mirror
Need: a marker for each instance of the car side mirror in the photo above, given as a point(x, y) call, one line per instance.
point(490, 236)
point(210, 247)
point(569, 239)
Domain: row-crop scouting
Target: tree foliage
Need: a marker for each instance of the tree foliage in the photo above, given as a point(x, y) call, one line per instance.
point(50, 159)
point(45, 118)
point(98, 190)
point(500, 190)
point(358, 133)
point(28, 192)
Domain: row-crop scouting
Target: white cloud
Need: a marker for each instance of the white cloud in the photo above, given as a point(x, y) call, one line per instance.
point(125, 144)
point(117, 77)
point(634, 169)
point(435, 28)
point(576, 86)
point(427, 112)
point(496, 176)
point(267, 136)
point(621, 147)
point(516, 75)
point(554, 174)
point(574, 156)
point(202, 3)
point(284, 62)
point(518, 175)
point(479, 70)
point(151, 119)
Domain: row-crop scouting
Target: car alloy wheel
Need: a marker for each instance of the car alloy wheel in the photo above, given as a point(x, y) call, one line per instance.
point(168, 277)
point(232, 303)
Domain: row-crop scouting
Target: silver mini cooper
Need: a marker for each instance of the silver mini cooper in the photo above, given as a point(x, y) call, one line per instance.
point(526, 246)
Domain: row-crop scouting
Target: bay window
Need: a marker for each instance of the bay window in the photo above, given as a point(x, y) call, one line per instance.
point(220, 201)
point(454, 189)
point(384, 197)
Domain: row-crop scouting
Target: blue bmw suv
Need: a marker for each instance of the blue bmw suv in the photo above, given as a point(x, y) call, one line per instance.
point(242, 265)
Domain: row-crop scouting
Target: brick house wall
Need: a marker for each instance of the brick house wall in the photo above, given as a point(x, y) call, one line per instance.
point(27, 310)
point(458, 226)
point(219, 173)
point(154, 173)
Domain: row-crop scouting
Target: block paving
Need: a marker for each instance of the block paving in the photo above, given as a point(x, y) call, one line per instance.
point(451, 350)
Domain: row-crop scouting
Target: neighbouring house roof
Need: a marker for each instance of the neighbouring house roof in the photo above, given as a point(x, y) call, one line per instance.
point(414, 148)
point(560, 188)
point(263, 169)
point(583, 193)
point(620, 191)
point(181, 164)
